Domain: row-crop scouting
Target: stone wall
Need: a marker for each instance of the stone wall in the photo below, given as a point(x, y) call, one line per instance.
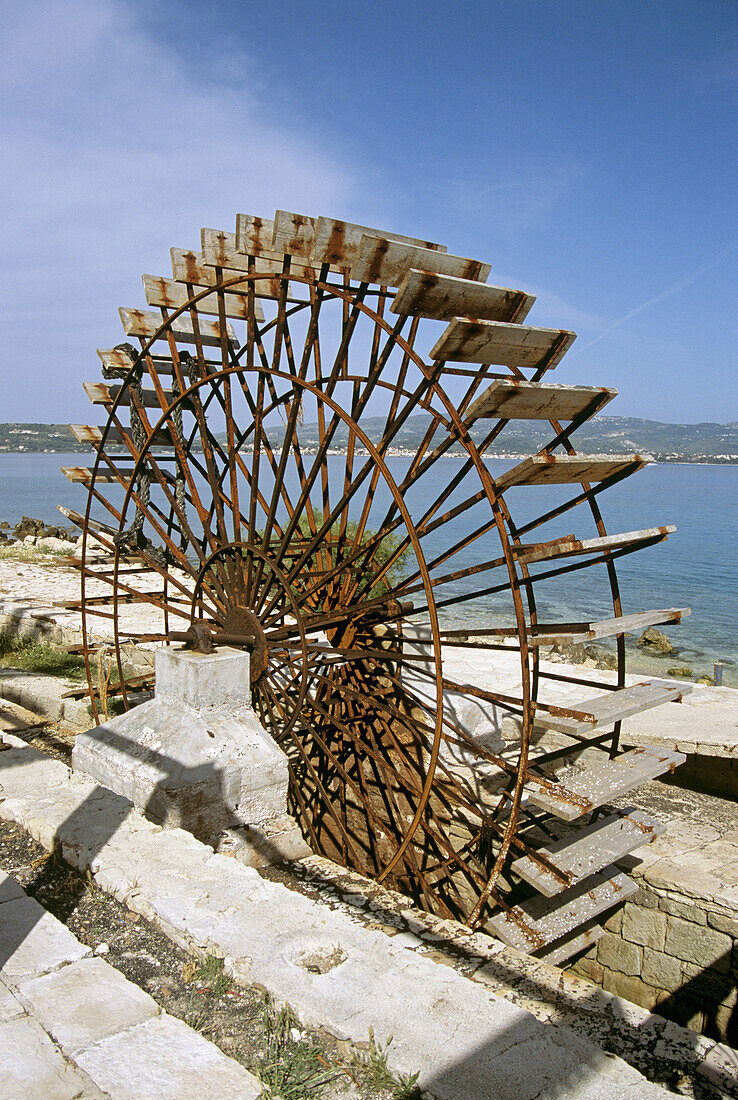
point(716, 775)
point(672, 953)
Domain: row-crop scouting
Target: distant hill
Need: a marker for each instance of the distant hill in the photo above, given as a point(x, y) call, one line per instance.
point(603, 435)
point(36, 437)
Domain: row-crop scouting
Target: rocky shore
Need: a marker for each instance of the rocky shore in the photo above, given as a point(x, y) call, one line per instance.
point(34, 532)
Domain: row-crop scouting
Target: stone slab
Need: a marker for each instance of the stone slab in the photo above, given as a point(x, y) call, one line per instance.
point(530, 1068)
point(85, 1002)
point(81, 1007)
point(33, 1068)
point(31, 772)
point(256, 846)
point(695, 858)
point(199, 680)
point(9, 889)
point(32, 942)
point(36, 693)
point(80, 813)
point(704, 723)
point(10, 1006)
point(14, 718)
point(7, 738)
point(720, 1068)
point(163, 1059)
point(274, 937)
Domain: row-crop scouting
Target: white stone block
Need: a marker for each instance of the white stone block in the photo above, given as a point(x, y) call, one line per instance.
point(163, 1059)
point(32, 1067)
point(9, 889)
point(255, 846)
point(102, 820)
point(85, 1002)
point(32, 942)
point(25, 774)
point(10, 1006)
point(720, 1067)
point(195, 756)
point(198, 680)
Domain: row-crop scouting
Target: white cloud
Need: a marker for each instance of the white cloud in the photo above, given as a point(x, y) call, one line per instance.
point(115, 148)
point(516, 195)
point(668, 292)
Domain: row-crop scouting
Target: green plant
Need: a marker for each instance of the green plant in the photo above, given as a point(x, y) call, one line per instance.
point(29, 554)
point(198, 1017)
point(289, 1068)
point(380, 555)
point(35, 656)
point(209, 971)
point(341, 546)
point(373, 1066)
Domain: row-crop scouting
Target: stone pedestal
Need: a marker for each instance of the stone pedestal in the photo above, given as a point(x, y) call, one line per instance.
point(196, 757)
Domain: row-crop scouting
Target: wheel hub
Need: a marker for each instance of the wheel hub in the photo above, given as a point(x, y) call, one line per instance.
point(241, 620)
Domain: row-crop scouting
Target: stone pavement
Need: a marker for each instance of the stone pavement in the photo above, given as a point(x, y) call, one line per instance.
point(705, 723)
point(473, 1042)
point(335, 970)
point(73, 1026)
point(44, 695)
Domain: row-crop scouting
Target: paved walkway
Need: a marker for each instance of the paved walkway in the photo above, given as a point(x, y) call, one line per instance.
point(71, 1026)
point(335, 970)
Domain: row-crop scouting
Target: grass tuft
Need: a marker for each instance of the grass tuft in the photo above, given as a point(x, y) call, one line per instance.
point(209, 972)
point(289, 1068)
point(29, 554)
point(35, 656)
point(293, 1063)
point(373, 1066)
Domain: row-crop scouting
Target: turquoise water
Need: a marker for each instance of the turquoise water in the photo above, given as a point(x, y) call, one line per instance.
point(697, 567)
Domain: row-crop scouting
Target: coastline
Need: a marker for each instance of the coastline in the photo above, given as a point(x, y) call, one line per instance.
point(392, 452)
point(688, 570)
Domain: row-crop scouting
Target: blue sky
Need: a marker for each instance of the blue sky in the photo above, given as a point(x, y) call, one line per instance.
point(585, 149)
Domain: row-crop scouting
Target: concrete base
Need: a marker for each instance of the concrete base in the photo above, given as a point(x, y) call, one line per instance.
point(196, 757)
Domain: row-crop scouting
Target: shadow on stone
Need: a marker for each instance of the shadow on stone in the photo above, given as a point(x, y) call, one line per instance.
point(238, 808)
point(705, 994)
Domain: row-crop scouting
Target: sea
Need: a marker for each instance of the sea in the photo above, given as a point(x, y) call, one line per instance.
point(696, 567)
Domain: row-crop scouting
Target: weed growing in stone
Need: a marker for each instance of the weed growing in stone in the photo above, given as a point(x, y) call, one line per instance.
point(210, 972)
point(374, 1069)
point(288, 1067)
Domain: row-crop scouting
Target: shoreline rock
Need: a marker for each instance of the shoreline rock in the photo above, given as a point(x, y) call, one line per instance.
point(654, 639)
point(34, 532)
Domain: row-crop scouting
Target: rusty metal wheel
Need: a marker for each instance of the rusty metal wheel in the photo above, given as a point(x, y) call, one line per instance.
point(293, 463)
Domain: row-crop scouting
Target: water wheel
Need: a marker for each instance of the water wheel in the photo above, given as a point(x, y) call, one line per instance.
point(296, 460)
